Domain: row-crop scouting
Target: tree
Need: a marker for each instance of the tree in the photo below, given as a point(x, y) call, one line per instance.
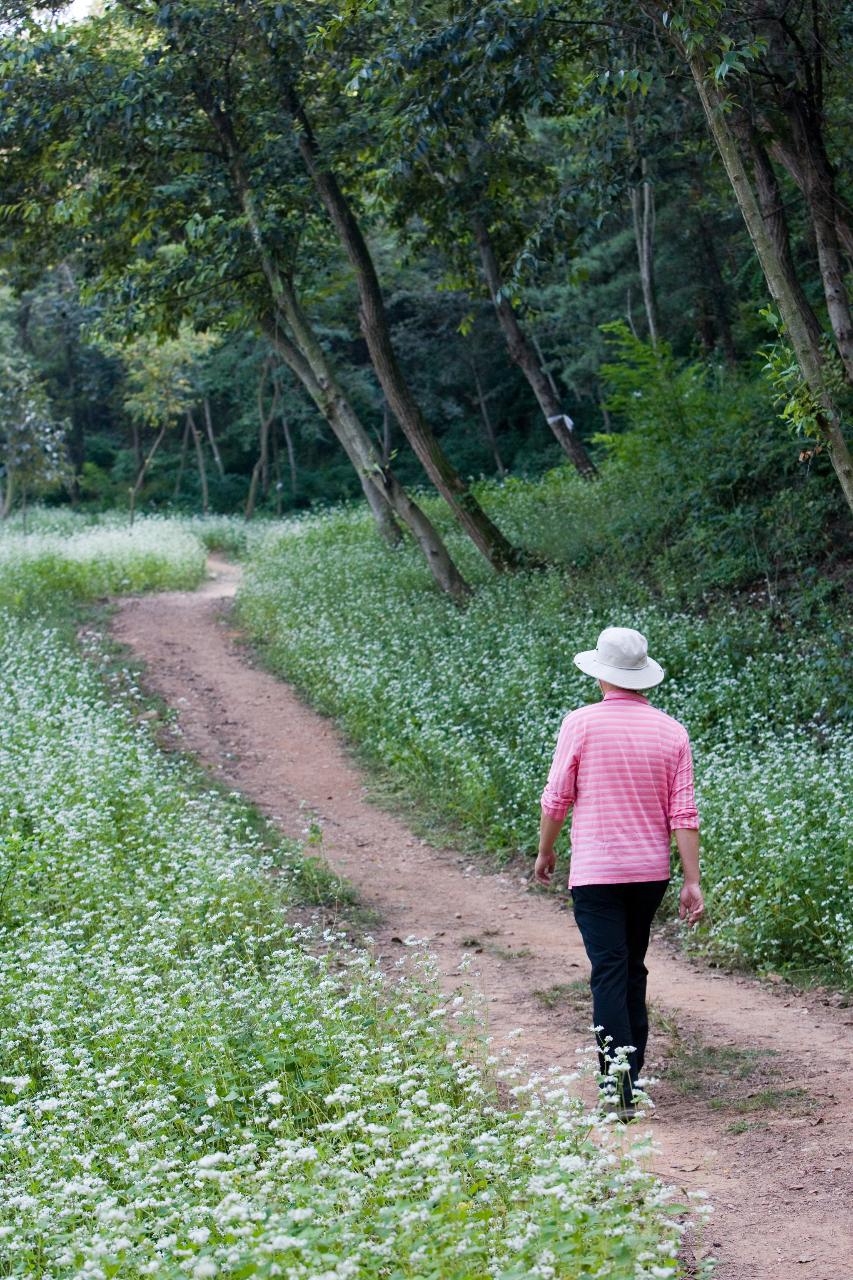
point(183, 233)
point(33, 458)
point(304, 80)
point(463, 170)
point(762, 75)
point(160, 391)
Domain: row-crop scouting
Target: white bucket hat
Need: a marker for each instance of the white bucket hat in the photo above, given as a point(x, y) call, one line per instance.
point(621, 657)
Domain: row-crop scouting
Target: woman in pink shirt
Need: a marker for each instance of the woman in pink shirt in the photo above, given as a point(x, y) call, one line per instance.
point(625, 770)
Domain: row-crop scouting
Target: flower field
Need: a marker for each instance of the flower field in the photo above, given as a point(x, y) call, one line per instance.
point(192, 1086)
point(82, 564)
point(465, 706)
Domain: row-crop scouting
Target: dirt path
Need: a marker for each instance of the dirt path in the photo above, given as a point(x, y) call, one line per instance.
point(754, 1106)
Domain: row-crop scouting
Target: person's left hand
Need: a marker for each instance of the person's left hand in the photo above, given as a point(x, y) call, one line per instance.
point(691, 906)
point(544, 866)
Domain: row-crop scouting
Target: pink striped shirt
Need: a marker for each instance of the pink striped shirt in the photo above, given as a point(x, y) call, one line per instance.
point(626, 768)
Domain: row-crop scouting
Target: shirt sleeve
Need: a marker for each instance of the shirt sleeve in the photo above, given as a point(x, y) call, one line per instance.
point(683, 813)
point(559, 793)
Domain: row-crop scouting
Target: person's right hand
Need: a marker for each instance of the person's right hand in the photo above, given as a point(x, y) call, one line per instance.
point(691, 906)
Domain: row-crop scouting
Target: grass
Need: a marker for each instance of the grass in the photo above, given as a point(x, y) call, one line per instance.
point(574, 995)
point(728, 1078)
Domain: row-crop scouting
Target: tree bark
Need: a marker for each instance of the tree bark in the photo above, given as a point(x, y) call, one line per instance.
point(643, 213)
point(540, 356)
point(796, 320)
point(772, 208)
point(783, 153)
point(291, 455)
point(386, 434)
point(819, 190)
point(486, 419)
point(183, 460)
point(485, 535)
point(309, 363)
point(521, 353)
point(200, 462)
point(265, 421)
point(214, 447)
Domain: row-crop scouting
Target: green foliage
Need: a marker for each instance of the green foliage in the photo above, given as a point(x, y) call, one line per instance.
point(701, 490)
point(162, 375)
point(797, 404)
point(32, 442)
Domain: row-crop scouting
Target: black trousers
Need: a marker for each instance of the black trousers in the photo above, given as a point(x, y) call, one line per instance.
point(614, 921)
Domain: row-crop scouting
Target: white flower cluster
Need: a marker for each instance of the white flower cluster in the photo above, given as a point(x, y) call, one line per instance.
point(82, 564)
point(194, 1088)
point(462, 709)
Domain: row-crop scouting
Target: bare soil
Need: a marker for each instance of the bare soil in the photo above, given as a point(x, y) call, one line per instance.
point(753, 1104)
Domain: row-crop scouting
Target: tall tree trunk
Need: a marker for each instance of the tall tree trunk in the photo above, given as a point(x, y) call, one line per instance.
point(8, 495)
point(379, 483)
point(214, 447)
point(783, 152)
point(140, 477)
point(291, 455)
point(772, 209)
point(311, 366)
point(819, 190)
point(521, 353)
point(643, 213)
point(794, 317)
point(486, 419)
point(713, 284)
point(540, 355)
point(383, 512)
point(386, 434)
point(377, 333)
point(305, 356)
point(276, 470)
point(265, 421)
point(200, 462)
point(185, 443)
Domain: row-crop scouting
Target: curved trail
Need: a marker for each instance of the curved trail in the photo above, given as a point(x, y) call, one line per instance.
point(779, 1176)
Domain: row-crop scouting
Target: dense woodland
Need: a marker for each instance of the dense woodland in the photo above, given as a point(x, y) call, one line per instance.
point(257, 256)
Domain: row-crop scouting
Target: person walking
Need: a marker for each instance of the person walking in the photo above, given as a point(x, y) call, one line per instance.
point(625, 769)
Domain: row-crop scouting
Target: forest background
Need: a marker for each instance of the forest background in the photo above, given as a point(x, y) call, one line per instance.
point(494, 225)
